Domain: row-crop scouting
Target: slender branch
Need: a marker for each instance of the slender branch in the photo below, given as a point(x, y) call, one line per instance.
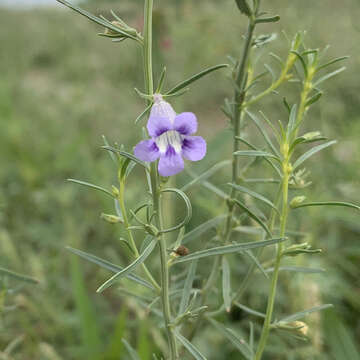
point(132, 243)
point(239, 95)
point(284, 76)
point(155, 190)
point(272, 294)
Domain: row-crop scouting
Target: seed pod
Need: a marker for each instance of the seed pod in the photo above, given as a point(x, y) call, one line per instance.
point(182, 251)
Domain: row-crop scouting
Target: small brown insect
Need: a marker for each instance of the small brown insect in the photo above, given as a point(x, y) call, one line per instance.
point(182, 251)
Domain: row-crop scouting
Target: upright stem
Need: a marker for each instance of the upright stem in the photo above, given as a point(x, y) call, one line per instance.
point(239, 96)
point(148, 72)
point(155, 189)
point(272, 294)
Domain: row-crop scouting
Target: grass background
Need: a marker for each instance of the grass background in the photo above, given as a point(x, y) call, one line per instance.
point(62, 87)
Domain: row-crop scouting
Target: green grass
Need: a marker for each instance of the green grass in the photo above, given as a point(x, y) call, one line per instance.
point(62, 87)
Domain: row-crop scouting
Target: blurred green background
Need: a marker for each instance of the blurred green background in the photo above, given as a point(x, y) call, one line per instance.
point(62, 87)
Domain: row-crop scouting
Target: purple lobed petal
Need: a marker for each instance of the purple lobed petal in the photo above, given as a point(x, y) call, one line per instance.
point(186, 123)
point(157, 125)
point(147, 150)
point(194, 148)
point(170, 163)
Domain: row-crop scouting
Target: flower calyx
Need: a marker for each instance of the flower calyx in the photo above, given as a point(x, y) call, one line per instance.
point(304, 248)
point(124, 31)
point(298, 327)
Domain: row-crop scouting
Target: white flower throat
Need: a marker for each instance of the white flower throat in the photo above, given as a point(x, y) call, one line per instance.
point(171, 137)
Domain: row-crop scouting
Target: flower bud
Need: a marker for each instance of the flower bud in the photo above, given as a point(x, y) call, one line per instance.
point(112, 219)
point(311, 135)
point(298, 327)
point(151, 229)
point(304, 248)
point(297, 200)
point(113, 32)
point(115, 190)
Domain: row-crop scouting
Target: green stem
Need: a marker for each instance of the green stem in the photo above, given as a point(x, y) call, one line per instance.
point(155, 188)
point(132, 243)
point(149, 82)
point(253, 267)
point(283, 77)
point(239, 96)
point(272, 294)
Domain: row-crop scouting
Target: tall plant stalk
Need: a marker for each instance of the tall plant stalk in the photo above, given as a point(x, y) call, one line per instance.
point(274, 280)
point(239, 96)
point(155, 188)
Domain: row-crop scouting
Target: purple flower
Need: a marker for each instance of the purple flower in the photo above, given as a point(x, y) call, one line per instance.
point(171, 139)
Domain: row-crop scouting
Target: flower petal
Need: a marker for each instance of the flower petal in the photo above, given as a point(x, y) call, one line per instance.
point(170, 163)
point(158, 125)
point(186, 123)
point(147, 150)
point(194, 148)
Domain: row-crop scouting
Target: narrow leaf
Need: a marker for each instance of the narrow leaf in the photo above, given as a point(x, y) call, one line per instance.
point(270, 19)
point(255, 153)
point(298, 269)
point(195, 77)
point(253, 216)
point(228, 249)
point(109, 266)
point(97, 20)
point(239, 343)
point(302, 314)
point(127, 155)
point(249, 311)
point(332, 62)
point(161, 81)
point(226, 285)
point(144, 113)
point(206, 174)
point(96, 187)
point(263, 132)
point(302, 60)
point(328, 203)
point(190, 347)
point(312, 152)
point(256, 262)
point(314, 99)
point(271, 71)
point(142, 257)
point(20, 277)
point(202, 228)
point(187, 288)
point(209, 186)
point(113, 157)
point(244, 7)
point(254, 195)
point(329, 76)
point(292, 121)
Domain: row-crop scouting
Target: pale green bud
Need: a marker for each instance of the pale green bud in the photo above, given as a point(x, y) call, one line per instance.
point(297, 200)
point(112, 219)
